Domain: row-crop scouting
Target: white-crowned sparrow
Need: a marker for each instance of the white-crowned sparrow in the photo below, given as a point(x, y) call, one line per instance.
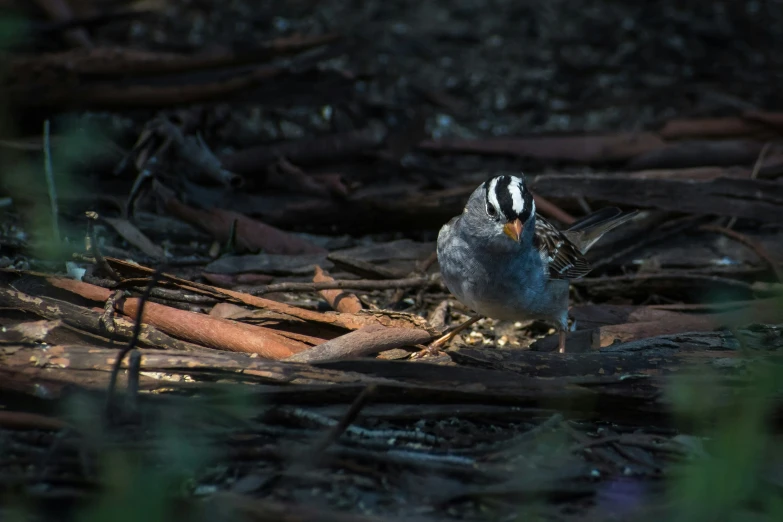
point(504, 261)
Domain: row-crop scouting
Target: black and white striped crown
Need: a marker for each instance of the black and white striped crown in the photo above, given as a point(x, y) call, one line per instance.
point(508, 197)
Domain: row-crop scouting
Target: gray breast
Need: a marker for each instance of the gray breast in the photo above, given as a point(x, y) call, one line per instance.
point(505, 286)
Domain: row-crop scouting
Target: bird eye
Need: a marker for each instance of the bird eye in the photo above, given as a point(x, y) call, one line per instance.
point(491, 210)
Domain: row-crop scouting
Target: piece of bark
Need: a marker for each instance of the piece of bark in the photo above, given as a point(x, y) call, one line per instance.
point(756, 199)
point(368, 340)
point(230, 311)
point(308, 330)
point(251, 235)
point(201, 329)
point(135, 237)
point(29, 332)
point(578, 149)
point(338, 299)
point(87, 320)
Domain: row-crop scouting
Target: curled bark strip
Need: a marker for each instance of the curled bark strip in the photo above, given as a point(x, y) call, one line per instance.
point(337, 299)
point(197, 328)
point(365, 341)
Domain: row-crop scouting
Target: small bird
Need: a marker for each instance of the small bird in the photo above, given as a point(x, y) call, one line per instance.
point(504, 261)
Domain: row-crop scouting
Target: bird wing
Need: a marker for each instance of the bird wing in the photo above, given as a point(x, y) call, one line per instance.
point(561, 257)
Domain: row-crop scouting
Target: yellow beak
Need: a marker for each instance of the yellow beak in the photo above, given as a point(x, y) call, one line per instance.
point(513, 229)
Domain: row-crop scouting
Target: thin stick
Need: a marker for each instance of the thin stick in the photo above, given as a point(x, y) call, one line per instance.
point(134, 339)
point(359, 284)
point(48, 169)
point(315, 455)
point(92, 217)
point(443, 340)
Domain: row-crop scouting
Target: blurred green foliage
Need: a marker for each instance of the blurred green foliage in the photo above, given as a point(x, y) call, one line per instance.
point(730, 480)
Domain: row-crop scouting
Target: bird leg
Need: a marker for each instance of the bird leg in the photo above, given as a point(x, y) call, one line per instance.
point(443, 340)
point(561, 343)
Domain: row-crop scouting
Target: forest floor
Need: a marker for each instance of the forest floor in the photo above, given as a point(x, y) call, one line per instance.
point(265, 181)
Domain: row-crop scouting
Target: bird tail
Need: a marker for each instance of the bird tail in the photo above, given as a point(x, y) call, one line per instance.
point(587, 231)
